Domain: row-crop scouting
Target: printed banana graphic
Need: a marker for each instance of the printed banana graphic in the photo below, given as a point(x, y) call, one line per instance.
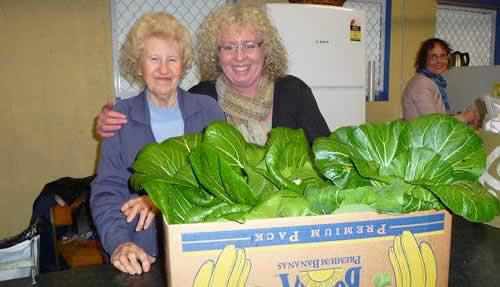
point(414, 259)
point(231, 270)
point(242, 281)
point(430, 264)
point(395, 265)
point(224, 266)
point(204, 274)
point(402, 262)
point(414, 265)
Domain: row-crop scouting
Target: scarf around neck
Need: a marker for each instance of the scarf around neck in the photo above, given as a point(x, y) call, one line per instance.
point(250, 115)
point(440, 81)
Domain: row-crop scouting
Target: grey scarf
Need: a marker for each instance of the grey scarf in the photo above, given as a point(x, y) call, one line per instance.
point(252, 116)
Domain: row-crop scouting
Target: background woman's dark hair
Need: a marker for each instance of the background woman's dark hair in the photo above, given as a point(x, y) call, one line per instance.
point(420, 61)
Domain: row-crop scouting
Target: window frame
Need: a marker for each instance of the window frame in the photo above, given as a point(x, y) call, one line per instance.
point(383, 94)
point(450, 8)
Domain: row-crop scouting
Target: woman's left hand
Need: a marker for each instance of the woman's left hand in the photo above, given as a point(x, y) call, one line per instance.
point(142, 206)
point(472, 118)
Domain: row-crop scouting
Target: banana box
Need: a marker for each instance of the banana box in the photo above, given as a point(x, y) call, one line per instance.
point(344, 250)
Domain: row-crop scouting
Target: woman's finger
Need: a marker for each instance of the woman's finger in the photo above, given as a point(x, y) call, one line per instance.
point(132, 213)
point(149, 219)
point(118, 265)
point(126, 205)
point(124, 261)
point(152, 259)
point(109, 128)
point(108, 105)
point(145, 261)
point(113, 117)
point(142, 219)
point(134, 263)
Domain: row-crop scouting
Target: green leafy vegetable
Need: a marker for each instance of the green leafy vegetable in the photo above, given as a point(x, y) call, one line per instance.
point(469, 199)
point(218, 176)
point(396, 167)
point(423, 164)
point(382, 279)
point(289, 160)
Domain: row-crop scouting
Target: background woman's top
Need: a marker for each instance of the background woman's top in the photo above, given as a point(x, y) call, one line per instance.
point(421, 96)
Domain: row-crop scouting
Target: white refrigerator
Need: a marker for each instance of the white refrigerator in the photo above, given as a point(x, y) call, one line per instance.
point(326, 49)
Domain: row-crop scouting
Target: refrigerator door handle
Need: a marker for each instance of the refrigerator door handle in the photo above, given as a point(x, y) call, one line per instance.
point(371, 81)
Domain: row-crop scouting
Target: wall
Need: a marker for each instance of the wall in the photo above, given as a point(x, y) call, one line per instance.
point(55, 73)
point(412, 22)
point(467, 84)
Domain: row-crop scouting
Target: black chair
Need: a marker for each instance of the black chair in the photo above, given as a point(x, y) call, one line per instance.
point(68, 236)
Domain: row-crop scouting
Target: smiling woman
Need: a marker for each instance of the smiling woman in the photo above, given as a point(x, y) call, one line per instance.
point(155, 56)
point(243, 65)
point(426, 92)
point(161, 68)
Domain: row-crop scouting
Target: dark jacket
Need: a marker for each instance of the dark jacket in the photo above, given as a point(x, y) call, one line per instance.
point(110, 189)
point(294, 106)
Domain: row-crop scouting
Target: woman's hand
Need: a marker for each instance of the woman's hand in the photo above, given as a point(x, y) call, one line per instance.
point(142, 206)
point(470, 117)
point(109, 121)
point(131, 259)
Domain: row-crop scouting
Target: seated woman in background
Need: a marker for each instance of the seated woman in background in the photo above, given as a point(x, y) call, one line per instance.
point(243, 65)
point(426, 92)
point(156, 55)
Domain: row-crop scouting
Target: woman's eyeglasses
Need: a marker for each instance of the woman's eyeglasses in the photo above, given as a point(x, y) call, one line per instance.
point(245, 47)
point(441, 58)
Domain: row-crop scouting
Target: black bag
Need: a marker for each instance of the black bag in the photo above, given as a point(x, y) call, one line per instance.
point(68, 189)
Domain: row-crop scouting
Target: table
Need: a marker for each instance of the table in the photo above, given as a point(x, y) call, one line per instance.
point(474, 261)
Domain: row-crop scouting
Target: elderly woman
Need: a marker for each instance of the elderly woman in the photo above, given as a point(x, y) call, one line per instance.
point(156, 55)
point(426, 92)
point(243, 66)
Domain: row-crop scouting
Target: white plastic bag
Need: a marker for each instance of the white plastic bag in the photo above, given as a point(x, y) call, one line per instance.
point(19, 256)
point(492, 118)
point(491, 176)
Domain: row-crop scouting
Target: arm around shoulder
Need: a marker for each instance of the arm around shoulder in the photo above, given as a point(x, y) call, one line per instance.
point(217, 111)
point(212, 110)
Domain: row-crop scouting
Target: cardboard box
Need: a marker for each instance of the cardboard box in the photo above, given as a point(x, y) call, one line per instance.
point(343, 250)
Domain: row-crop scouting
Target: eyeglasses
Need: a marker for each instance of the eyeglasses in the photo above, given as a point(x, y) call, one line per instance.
point(245, 47)
point(441, 58)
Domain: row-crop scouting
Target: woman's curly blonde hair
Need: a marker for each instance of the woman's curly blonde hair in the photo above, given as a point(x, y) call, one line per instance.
point(160, 25)
point(243, 15)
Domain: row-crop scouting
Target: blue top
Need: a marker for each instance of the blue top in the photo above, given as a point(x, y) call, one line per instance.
point(166, 122)
point(110, 189)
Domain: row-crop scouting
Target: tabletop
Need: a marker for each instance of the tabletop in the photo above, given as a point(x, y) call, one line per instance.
point(474, 261)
